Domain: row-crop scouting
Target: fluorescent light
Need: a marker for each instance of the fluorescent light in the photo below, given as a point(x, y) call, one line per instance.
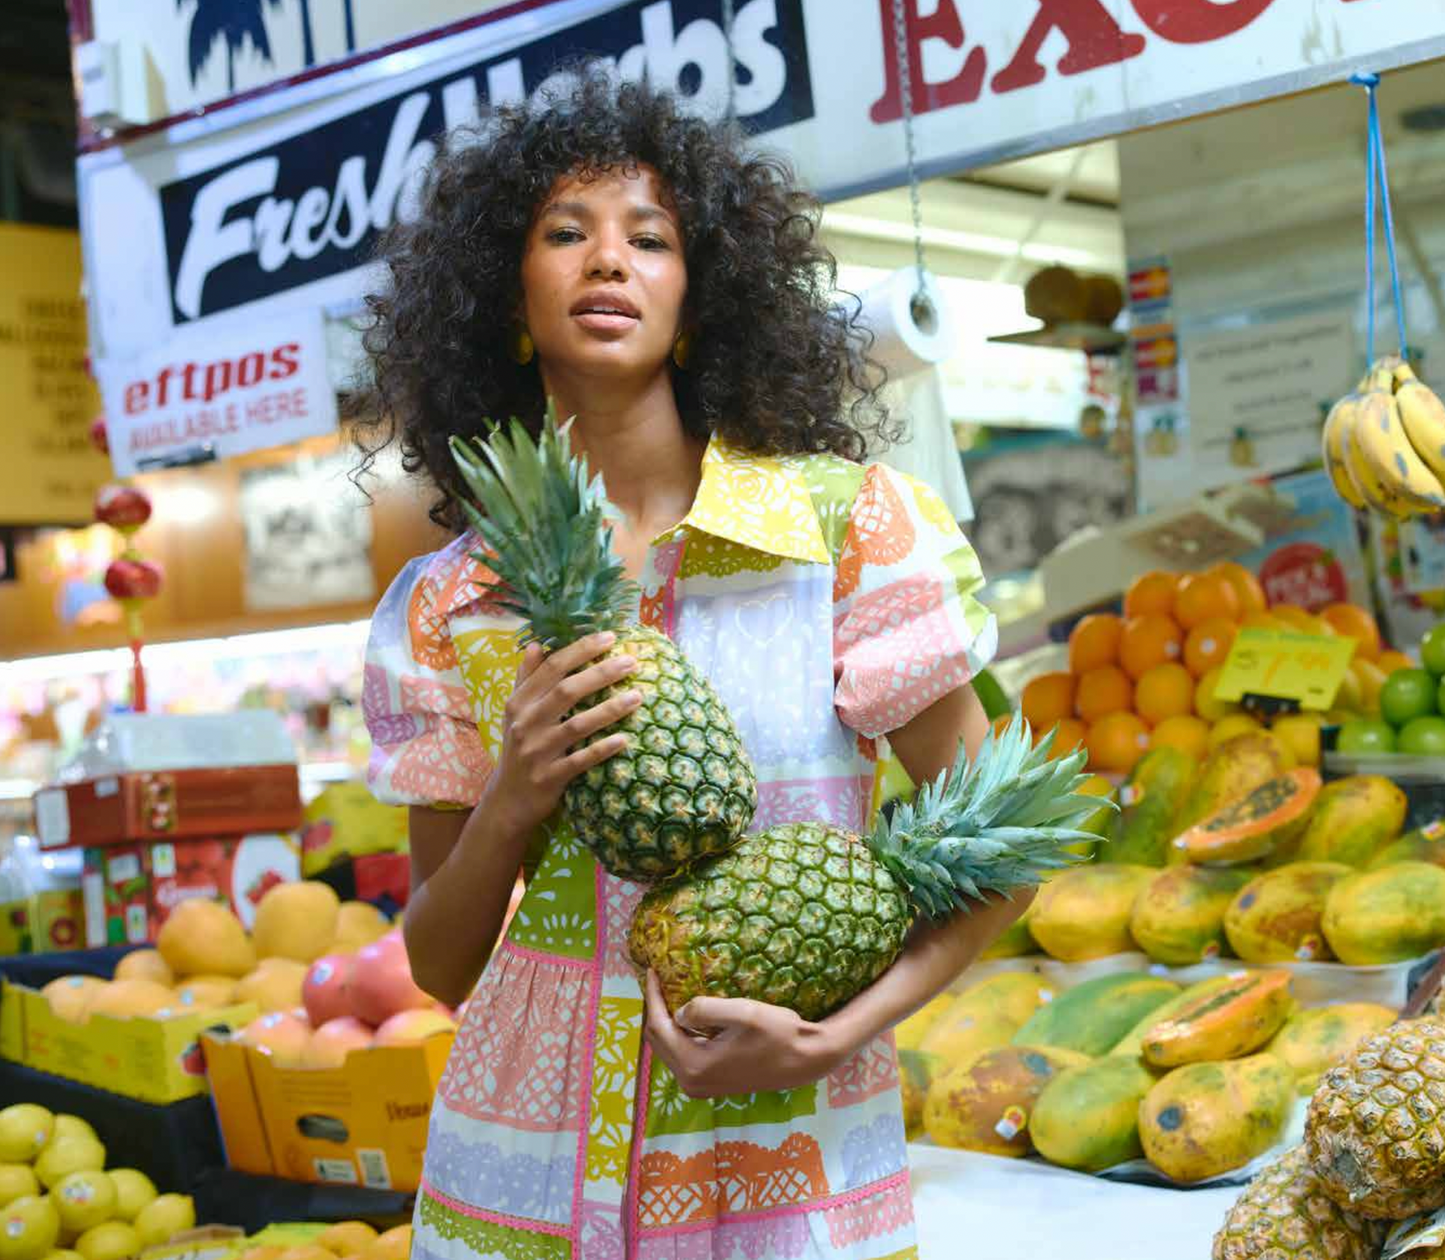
point(335, 636)
point(948, 238)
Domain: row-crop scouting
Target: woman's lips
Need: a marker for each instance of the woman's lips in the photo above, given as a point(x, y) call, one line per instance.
point(605, 321)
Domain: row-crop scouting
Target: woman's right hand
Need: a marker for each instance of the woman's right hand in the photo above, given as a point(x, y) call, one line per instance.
point(542, 748)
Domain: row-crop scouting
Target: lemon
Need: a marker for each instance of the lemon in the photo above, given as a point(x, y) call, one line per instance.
point(114, 1240)
point(164, 1217)
point(1228, 727)
point(70, 1154)
point(72, 1126)
point(25, 1128)
point(133, 1190)
point(83, 1200)
point(16, 1182)
point(29, 1228)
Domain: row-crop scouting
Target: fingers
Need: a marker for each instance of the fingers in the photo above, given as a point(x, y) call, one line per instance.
point(578, 727)
point(666, 1037)
point(708, 1016)
point(574, 688)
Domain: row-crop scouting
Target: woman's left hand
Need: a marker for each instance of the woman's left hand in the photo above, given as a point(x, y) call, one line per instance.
point(718, 1046)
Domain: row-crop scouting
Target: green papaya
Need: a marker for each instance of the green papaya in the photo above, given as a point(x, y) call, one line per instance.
point(1150, 802)
point(1178, 918)
point(1233, 770)
point(1390, 915)
point(1088, 1117)
point(1424, 844)
point(1083, 913)
point(1353, 819)
point(1093, 1016)
point(1132, 1043)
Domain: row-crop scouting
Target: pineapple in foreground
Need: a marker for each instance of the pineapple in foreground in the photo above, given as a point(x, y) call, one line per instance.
point(683, 788)
point(1284, 1214)
point(805, 915)
point(1376, 1126)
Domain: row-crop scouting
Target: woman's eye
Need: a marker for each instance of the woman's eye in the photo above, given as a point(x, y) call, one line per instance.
point(564, 236)
point(649, 242)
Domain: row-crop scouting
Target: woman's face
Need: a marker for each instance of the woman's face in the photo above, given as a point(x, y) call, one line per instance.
point(603, 275)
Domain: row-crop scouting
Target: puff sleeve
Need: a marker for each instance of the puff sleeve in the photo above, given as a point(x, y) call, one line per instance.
point(426, 747)
point(908, 627)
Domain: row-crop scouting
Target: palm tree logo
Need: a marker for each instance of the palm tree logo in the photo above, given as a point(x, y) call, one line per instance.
point(236, 21)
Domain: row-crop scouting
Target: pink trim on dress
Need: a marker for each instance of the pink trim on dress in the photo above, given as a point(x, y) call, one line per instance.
point(630, 1221)
point(493, 1218)
point(589, 1044)
point(550, 960)
point(892, 1182)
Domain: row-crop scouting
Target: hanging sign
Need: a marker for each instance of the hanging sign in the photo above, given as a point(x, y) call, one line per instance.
point(1307, 668)
point(202, 398)
point(284, 203)
point(50, 471)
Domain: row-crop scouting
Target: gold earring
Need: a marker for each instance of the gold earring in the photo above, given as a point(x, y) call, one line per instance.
point(682, 351)
point(520, 346)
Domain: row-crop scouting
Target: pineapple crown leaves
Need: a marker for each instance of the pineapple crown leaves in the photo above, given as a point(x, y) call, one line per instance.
point(997, 823)
point(545, 525)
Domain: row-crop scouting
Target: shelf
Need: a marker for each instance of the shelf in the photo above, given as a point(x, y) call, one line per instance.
point(1090, 338)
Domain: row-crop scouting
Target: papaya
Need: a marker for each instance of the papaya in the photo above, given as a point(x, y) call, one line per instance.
point(1100, 823)
point(1313, 1041)
point(986, 1105)
point(1354, 818)
point(1132, 1043)
point(1385, 916)
point(1423, 844)
point(1233, 1020)
point(983, 1017)
point(908, 1034)
point(1209, 1118)
point(1233, 770)
point(1270, 816)
point(1178, 918)
point(1150, 801)
point(1277, 915)
point(1088, 1117)
point(1084, 912)
point(1015, 941)
point(1093, 1016)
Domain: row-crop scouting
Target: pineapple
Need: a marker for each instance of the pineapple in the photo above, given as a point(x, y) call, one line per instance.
point(683, 788)
point(1284, 1214)
point(1376, 1125)
point(805, 915)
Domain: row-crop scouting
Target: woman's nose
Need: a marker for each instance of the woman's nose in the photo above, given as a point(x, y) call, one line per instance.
point(608, 258)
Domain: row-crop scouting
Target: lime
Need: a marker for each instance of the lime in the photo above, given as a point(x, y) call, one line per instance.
point(1423, 737)
point(1406, 695)
point(1440, 697)
point(1366, 735)
point(1432, 649)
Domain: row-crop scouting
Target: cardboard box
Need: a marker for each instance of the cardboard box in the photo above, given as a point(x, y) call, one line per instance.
point(346, 821)
point(364, 1123)
point(48, 922)
point(168, 805)
point(206, 1242)
point(132, 889)
point(153, 1060)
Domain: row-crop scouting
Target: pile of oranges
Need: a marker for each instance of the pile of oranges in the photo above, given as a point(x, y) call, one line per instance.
point(1147, 678)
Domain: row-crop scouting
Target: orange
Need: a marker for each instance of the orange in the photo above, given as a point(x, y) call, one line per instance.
point(1358, 624)
point(1103, 691)
point(1147, 641)
point(1187, 733)
point(1203, 596)
point(1068, 735)
point(1151, 593)
point(1247, 589)
point(1046, 699)
point(1094, 642)
point(1205, 705)
point(1390, 660)
point(1116, 742)
point(1208, 644)
point(1165, 691)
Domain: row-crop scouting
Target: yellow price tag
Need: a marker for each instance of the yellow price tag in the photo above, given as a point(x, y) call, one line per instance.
point(1307, 668)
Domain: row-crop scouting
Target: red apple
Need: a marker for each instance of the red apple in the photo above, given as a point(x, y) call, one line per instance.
point(133, 579)
point(381, 985)
point(122, 507)
point(99, 438)
point(411, 1026)
point(334, 1040)
point(327, 988)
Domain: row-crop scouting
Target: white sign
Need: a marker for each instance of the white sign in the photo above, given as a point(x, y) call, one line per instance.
point(281, 206)
point(204, 397)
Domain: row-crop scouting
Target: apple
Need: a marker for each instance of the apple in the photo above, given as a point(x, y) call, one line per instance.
point(282, 1036)
point(122, 507)
point(327, 988)
point(381, 985)
point(133, 579)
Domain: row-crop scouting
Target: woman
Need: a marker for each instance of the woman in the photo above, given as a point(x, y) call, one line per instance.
point(669, 292)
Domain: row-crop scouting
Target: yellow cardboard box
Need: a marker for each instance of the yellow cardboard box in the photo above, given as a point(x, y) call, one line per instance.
point(364, 1123)
point(346, 820)
point(154, 1060)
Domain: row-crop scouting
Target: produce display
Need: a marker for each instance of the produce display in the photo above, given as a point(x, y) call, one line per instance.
point(1146, 679)
point(1409, 710)
point(345, 1240)
point(56, 1193)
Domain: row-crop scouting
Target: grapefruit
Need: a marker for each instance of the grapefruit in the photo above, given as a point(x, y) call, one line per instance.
point(334, 1040)
point(203, 938)
point(280, 1035)
point(145, 964)
point(382, 985)
point(70, 997)
point(132, 999)
point(275, 985)
point(359, 923)
point(326, 991)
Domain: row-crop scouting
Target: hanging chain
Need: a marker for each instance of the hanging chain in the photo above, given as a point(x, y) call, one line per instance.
point(727, 17)
point(905, 88)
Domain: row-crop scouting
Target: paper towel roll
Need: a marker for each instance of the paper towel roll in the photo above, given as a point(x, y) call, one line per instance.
point(909, 336)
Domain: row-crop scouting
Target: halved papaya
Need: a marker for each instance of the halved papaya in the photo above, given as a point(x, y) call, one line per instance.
point(1273, 814)
point(1223, 1023)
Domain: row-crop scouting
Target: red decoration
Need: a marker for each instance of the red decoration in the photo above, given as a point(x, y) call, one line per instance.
point(131, 578)
point(99, 437)
point(123, 508)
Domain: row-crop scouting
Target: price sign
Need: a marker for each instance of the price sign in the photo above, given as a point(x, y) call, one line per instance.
point(1307, 668)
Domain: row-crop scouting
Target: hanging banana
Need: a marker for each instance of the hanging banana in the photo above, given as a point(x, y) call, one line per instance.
point(1377, 436)
point(1337, 423)
point(1423, 416)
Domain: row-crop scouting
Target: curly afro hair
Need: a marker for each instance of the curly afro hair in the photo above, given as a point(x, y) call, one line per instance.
point(774, 368)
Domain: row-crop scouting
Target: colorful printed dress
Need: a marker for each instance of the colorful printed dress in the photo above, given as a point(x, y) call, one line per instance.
point(828, 603)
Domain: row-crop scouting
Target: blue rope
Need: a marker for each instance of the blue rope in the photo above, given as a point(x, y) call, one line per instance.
point(1389, 224)
point(1369, 82)
point(1378, 170)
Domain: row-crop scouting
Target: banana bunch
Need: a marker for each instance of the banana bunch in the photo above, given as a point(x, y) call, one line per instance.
point(1384, 444)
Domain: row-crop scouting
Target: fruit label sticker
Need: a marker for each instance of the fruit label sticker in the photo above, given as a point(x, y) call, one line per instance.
point(1310, 947)
point(1014, 1121)
point(1131, 794)
point(1419, 1234)
point(1307, 668)
point(1210, 952)
point(1434, 830)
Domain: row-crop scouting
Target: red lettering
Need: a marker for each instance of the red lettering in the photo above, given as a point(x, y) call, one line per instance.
point(188, 374)
point(1095, 40)
point(218, 379)
point(1197, 21)
point(945, 24)
point(137, 397)
point(162, 379)
point(285, 361)
point(251, 369)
